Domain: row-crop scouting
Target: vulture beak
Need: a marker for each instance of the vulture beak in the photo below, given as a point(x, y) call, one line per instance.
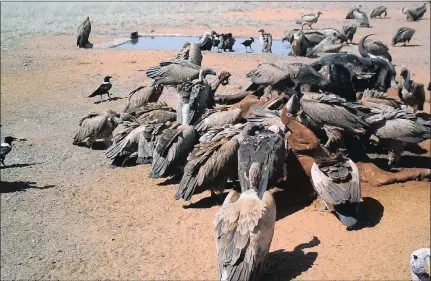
point(393, 83)
point(427, 265)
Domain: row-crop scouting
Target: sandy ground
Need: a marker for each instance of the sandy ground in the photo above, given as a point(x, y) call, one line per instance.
point(66, 215)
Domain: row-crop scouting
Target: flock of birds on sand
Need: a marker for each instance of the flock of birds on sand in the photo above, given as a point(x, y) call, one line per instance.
point(212, 141)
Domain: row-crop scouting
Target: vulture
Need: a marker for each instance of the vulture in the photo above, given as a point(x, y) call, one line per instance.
point(265, 41)
point(248, 43)
point(171, 151)
point(360, 16)
point(374, 98)
point(337, 181)
point(5, 148)
point(410, 92)
point(149, 139)
point(313, 37)
point(328, 45)
point(226, 42)
point(128, 135)
point(143, 95)
point(299, 44)
point(349, 31)
point(415, 14)
point(396, 127)
point(218, 117)
point(308, 19)
point(243, 228)
point(205, 43)
point(212, 162)
point(223, 79)
point(270, 74)
point(420, 264)
point(103, 89)
point(376, 48)
point(244, 225)
point(96, 126)
point(193, 98)
point(403, 35)
point(329, 114)
point(377, 12)
point(177, 71)
point(84, 30)
point(191, 53)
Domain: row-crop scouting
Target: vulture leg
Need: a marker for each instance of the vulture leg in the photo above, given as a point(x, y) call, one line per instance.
point(395, 151)
point(334, 135)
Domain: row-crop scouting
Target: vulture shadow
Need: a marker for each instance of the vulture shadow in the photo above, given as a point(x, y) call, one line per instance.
point(109, 99)
point(212, 201)
point(282, 265)
point(18, 165)
point(8, 187)
point(410, 45)
point(98, 145)
point(170, 181)
point(424, 115)
point(414, 148)
point(405, 162)
point(296, 193)
point(369, 214)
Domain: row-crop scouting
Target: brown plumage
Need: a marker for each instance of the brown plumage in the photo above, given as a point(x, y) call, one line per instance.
point(212, 162)
point(244, 227)
point(378, 12)
point(143, 95)
point(96, 126)
point(376, 98)
point(299, 45)
point(410, 92)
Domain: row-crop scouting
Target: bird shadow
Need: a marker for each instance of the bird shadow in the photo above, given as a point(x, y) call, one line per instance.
point(207, 202)
point(18, 165)
point(296, 192)
point(170, 181)
point(410, 45)
point(424, 115)
point(8, 187)
point(414, 148)
point(369, 214)
point(109, 99)
point(405, 162)
point(283, 265)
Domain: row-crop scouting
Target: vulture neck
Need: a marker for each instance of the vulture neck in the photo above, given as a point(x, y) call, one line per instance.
point(201, 75)
point(215, 85)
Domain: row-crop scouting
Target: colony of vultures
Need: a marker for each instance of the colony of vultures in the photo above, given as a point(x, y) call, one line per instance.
point(335, 110)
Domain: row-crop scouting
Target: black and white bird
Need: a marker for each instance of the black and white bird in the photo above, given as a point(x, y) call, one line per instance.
point(5, 148)
point(247, 43)
point(103, 89)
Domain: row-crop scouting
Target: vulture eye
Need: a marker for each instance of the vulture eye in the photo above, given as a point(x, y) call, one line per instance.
point(415, 257)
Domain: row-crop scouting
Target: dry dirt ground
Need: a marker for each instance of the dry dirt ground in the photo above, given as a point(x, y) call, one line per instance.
point(66, 215)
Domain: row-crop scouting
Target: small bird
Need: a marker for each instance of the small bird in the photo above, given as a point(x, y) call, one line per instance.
point(103, 89)
point(247, 43)
point(5, 148)
point(420, 264)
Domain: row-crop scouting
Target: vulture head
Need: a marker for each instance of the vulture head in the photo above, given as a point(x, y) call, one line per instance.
point(261, 30)
point(420, 264)
point(224, 77)
point(319, 13)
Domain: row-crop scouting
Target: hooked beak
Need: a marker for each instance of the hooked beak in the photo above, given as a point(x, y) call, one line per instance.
point(427, 265)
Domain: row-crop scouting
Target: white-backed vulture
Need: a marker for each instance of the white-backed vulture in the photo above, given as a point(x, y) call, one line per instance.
point(374, 98)
point(213, 161)
point(396, 127)
point(349, 31)
point(410, 92)
point(83, 31)
point(375, 47)
point(337, 181)
point(172, 149)
point(403, 35)
point(420, 264)
point(299, 44)
point(96, 126)
point(309, 19)
point(193, 98)
point(329, 113)
point(143, 95)
point(377, 12)
point(415, 14)
point(265, 41)
point(205, 42)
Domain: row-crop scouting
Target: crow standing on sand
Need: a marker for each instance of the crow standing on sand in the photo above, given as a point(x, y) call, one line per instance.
point(247, 43)
point(5, 148)
point(103, 89)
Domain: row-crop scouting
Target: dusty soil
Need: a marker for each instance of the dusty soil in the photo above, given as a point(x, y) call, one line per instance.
point(66, 215)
